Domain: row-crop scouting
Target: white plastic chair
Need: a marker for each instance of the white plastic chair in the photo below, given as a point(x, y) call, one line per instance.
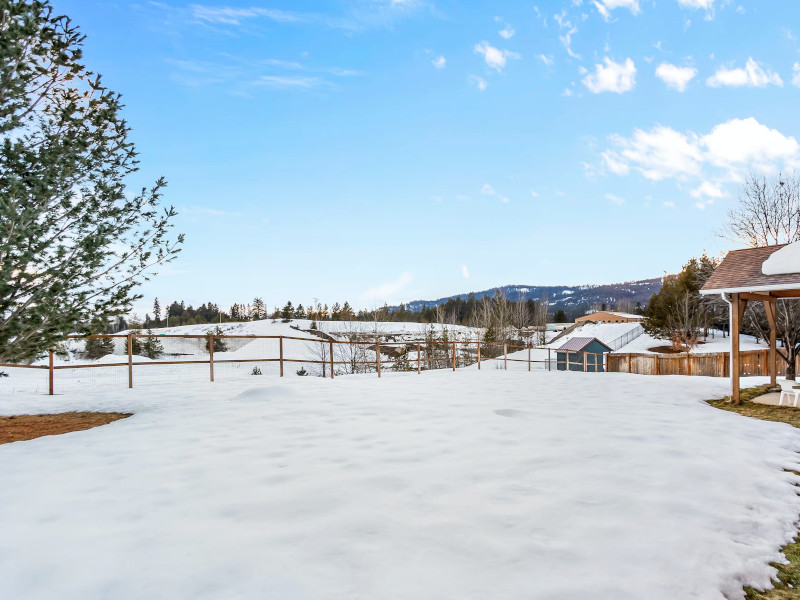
point(789, 388)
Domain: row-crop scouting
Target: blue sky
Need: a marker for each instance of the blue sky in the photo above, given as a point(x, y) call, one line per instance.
point(391, 150)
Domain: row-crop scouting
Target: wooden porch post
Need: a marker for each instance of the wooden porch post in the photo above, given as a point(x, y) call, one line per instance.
point(772, 361)
point(736, 325)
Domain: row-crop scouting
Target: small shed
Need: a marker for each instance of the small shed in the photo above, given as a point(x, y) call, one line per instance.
point(581, 354)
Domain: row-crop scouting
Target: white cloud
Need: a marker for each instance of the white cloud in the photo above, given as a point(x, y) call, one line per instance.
point(439, 62)
point(547, 59)
point(615, 199)
point(668, 204)
point(235, 16)
point(288, 82)
point(534, 193)
point(604, 7)
point(479, 82)
point(386, 291)
point(658, 154)
point(613, 77)
point(569, 30)
point(676, 78)
point(796, 74)
point(695, 4)
point(507, 33)
point(708, 190)
point(488, 190)
point(733, 148)
point(746, 142)
point(464, 272)
point(495, 58)
point(752, 75)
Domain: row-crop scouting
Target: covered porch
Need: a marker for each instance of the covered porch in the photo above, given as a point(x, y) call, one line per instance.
point(768, 275)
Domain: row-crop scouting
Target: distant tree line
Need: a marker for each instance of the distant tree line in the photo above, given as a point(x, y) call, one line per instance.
point(468, 311)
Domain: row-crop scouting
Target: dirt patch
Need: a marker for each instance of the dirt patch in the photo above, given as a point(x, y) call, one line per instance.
point(28, 427)
point(670, 349)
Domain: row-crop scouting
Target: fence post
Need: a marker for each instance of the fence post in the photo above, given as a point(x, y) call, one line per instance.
point(331, 359)
point(378, 357)
point(130, 360)
point(51, 371)
point(655, 367)
point(479, 356)
point(419, 359)
point(505, 357)
point(280, 347)
point(548, 359)
point(454, 356)
point(629, 362)
point(529, 358)
point(567, 362)
point(211, 355)
point(764, 364)
point(585, 357)
point(688, 364)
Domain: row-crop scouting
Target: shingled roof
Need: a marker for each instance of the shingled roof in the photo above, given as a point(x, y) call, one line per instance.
point(740, 271)
point(577, 344)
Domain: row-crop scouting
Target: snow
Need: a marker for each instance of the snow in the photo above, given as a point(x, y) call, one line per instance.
point(446, 485)
point(605, 332)
point(712, 345)
point(784, 261)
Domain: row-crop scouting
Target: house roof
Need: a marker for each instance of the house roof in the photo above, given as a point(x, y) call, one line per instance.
point(740, 271)
point(612, 312)
point(577, 344)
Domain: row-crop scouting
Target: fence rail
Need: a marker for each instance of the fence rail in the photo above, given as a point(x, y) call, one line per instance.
point(331, 357)
point(752, 363)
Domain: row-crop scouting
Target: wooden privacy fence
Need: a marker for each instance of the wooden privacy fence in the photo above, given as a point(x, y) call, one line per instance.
point(753, 363)
point(428, 355)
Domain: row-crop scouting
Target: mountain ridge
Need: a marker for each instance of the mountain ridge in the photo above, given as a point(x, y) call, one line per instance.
point(571, 299)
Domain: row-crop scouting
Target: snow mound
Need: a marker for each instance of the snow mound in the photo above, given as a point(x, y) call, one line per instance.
point(784, 261)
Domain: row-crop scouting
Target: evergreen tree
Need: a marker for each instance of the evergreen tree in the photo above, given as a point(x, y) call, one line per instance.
point(258, 310)
point(346, 313)
point(152, 348)
point(98, 347)
point(300, 312)
point(64, 157)
point(560, 316)
point(288, 311)
point(137, 346)
point(157, 312)
point(220, 345)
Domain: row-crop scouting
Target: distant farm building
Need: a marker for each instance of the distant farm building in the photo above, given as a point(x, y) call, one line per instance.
point(581, 354)
point(603, 316)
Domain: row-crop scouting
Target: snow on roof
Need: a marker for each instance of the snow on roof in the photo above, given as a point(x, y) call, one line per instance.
point(577, 344)
point(784, 261)
point(605, 332)
point(742, 271)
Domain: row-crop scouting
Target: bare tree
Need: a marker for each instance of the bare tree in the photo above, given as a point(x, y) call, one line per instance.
point(768, 213)
point(540, 319)
point(685, 320)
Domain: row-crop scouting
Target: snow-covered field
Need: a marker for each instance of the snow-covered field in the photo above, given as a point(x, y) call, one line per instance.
point(467, 485)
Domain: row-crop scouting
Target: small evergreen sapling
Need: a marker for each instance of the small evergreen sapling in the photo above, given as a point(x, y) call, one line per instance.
point(152, 347)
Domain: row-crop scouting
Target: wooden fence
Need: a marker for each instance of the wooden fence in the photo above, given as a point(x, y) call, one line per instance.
point(753, 363)
point(427, 355)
